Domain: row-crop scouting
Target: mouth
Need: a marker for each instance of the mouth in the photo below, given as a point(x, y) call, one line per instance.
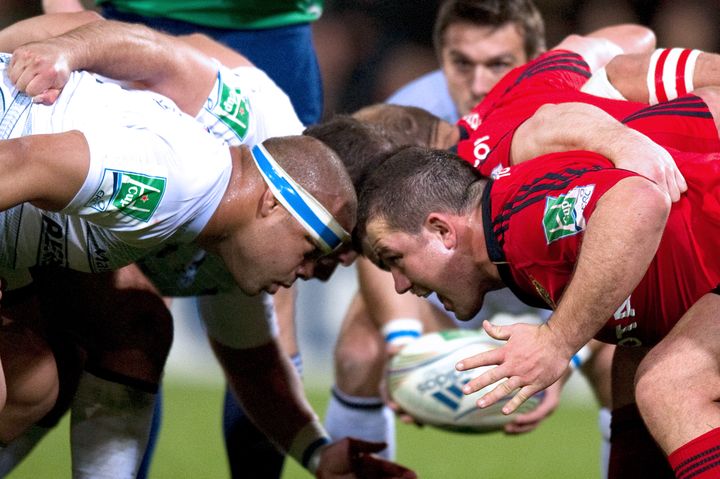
point(421, 294)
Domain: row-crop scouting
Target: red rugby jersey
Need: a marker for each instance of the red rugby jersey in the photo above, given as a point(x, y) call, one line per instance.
point(535, 218)
point(556, 77)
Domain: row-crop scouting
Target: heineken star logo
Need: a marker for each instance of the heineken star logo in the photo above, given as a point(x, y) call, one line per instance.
point(564, 214)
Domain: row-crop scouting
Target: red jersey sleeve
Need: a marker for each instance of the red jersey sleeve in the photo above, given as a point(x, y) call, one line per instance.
point(513, 100)
point(536, 215)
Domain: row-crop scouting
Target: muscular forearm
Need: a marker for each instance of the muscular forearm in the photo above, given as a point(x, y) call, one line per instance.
point(42, 27)
point(620, 242)
point(579, 126)
point(136, 53)
point(268, 388)
point(127, 52)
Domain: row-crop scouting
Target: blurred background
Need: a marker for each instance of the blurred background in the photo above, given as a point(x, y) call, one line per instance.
point(368, 49)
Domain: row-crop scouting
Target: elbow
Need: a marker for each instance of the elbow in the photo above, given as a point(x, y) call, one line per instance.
point(644, 39)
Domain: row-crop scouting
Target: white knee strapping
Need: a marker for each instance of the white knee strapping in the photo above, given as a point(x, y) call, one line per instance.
point(670, 73)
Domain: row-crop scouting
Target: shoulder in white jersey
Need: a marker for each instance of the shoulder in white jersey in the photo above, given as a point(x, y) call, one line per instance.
point(155, 175)
point(244, 107)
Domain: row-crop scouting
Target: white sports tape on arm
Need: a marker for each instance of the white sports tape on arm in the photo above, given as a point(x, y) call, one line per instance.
point(401, 331)
point(308, 445)
point(670, 73)
point(599, 85)
point(580, 357)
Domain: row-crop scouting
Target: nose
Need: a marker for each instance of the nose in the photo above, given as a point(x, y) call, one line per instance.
point(402, 283)
point(482, 81)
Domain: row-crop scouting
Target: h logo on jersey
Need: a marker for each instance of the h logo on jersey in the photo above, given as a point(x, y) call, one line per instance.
point(564, 214)
point(233, 110)
point(138, 195)
point(133, 194)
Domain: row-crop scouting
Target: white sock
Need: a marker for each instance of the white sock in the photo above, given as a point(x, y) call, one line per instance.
point(12, 454)
point(109, 429)
point(604, 417)
point(361, 417)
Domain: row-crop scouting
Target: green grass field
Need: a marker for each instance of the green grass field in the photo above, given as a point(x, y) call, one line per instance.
point(190, 445)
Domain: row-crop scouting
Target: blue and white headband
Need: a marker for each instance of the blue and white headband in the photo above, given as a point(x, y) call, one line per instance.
point(314, 217)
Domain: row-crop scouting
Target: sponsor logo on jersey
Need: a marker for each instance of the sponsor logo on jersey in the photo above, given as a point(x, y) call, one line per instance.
point(481, 150)
point(500, 171)
point(52, 250)
point(133, 194)
point(473, 120)
point(99, 258)
point(564, 214)
point(232, 109)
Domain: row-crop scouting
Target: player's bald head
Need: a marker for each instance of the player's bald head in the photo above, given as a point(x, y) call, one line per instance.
point(317, 168)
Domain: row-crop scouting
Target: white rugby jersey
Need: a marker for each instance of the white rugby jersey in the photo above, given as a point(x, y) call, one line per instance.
point(155, 176)
point(245, 107)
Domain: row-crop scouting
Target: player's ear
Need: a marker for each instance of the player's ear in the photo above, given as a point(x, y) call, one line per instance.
point(268, 203)
point(441, 226)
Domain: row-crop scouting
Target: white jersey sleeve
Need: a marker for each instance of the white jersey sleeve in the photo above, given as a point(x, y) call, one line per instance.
point(155, 176)
point(246, 107)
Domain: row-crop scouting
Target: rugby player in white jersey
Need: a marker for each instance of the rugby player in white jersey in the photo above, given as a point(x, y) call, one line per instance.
point(259, 154)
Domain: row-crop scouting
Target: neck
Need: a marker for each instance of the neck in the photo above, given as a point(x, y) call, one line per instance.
point(232, 212)
point(481, 256)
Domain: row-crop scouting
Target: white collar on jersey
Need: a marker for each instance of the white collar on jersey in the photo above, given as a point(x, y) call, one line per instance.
point(314, 217)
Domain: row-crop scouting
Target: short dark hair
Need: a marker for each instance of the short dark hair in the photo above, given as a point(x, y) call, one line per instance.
point(493, 13)
point(413, 183)
point(360, 146)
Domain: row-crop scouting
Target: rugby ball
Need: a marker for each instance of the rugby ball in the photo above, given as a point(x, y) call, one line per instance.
point(423, 381)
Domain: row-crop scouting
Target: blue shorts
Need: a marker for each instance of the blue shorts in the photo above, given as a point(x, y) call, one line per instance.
point(286, 54)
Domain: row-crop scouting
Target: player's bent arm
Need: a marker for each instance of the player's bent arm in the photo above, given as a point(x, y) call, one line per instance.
point(600, 46)
point(225, 55)
point(269, 390)
point(612, 260)
point(580, 126)
point(132, 53)
point(46, 170)
point(266, 384)
point(42, 27)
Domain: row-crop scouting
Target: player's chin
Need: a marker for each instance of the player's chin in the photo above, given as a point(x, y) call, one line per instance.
point(465, 312)
point(272, 288)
